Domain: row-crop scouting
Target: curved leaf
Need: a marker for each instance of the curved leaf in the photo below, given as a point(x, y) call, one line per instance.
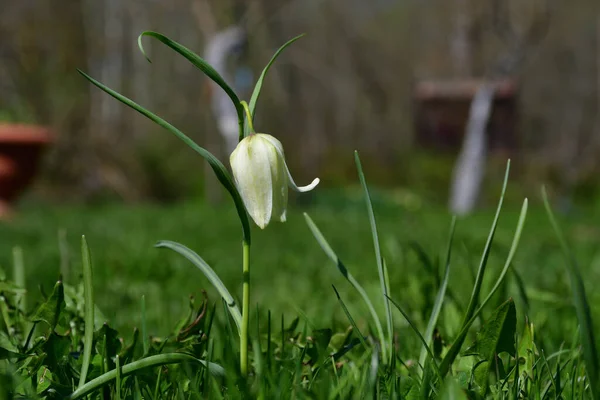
point(259, 82)
point(202, 65)
point(222, 173)
point(152, 361)
point(212, 276)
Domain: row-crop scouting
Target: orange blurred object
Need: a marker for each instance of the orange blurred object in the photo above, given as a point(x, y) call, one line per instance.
point(21, 147)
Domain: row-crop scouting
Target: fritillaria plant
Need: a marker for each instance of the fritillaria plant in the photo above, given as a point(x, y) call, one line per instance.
point(258, 187)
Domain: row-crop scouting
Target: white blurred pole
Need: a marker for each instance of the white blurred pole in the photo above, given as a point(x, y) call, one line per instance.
point(470, 166)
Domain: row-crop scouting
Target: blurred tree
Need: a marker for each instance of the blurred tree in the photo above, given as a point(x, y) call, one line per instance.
point(345, 86)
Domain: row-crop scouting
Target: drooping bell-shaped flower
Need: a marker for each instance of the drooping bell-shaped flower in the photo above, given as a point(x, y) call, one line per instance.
point(262, 178)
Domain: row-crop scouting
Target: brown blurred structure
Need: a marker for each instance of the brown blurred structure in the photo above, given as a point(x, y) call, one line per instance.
point(442, 111)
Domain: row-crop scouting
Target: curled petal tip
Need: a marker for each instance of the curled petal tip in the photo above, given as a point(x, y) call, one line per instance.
point(306, 188)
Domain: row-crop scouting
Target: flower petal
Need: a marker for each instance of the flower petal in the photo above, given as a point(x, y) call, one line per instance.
point(277, 144)
point(278, 179)
point(252, 174)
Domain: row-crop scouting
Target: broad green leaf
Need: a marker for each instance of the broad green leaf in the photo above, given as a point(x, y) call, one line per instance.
point(481, 377)
point(9, 287)
point(107, 344)
point(127, 353)
point(57, 350)
point(320, 343)
point(202, 65)
point(452, 391)
point(50, 310)
point(496, 336)
point(7, 348)
point(527, 350)
point(219, 169)
point(44, 381)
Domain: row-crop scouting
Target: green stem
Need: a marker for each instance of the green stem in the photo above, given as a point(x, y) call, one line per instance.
point(248, 116)
point(245, 308)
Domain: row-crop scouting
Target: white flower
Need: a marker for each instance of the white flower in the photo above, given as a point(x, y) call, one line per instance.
point(262, 178)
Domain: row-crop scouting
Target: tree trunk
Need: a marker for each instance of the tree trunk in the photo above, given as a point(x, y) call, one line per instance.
point(460, 45)
point(470, 165)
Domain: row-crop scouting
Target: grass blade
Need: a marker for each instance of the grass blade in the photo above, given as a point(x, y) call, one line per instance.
point(145, 337)
point(63, 248)
point(582, 307)
point(118, 378)
point(509, 258)
point(354, 326)
point(19, 278)
point(439, 299)
point(152, 361)
point(380, 268)
point(221, 172)
point(421, 338)
point(455, 349)
point(259, 82)
point(88, 294)
point(212, 276)
point(203, 66)
point(344, 271)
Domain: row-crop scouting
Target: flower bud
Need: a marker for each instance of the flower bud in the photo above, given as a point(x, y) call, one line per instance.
point(262, 178)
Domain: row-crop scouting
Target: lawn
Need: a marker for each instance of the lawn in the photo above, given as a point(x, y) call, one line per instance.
point(291, 275)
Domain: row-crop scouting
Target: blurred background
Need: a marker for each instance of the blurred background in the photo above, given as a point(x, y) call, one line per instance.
point(435, 94)
point(391, 78)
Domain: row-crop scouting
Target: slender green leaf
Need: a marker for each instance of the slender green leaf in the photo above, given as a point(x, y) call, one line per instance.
point(259, 82)
point(416, 330)
point(152, 361)
point(509, 258)
point(378, 256)
point(486, 252)
point(344, 271)
point(360, 335)
point(118, 378)
point(210, 274)
point(145, 337)
point(439, 299)
point(88, 294)
point(221, 172)
point(582, 307)
point(203, 66)
point(471, 316)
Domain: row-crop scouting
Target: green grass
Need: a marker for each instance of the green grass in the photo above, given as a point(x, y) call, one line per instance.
point(292, 276)
point(290, 271)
